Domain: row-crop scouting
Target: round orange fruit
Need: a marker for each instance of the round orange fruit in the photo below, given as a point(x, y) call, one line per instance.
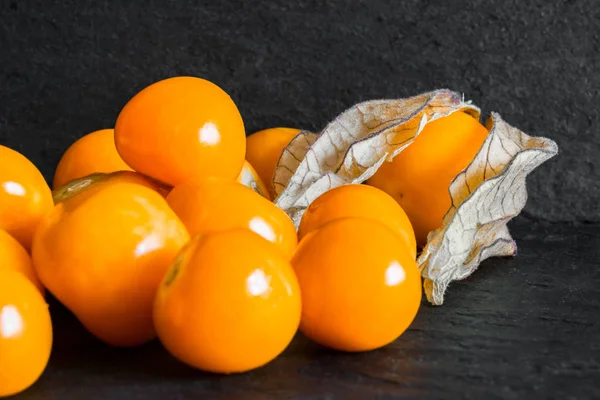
point(230, 303)
point(360, 285)
point(95, 152)
point(14, 256)
point(213, 206)
point(419, 177)
point(358, 201)
point(25, 333)
point(182, 128)
point(24, 196)
point(103, 251)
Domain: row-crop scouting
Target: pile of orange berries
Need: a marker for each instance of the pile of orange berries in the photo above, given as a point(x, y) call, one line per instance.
point(165, 226)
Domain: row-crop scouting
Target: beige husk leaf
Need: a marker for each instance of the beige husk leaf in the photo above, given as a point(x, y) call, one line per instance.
point(352, 147)
point(485, 196)
point(290, 158)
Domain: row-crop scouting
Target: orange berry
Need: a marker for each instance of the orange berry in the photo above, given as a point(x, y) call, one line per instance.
point(221, 205)
point(25, 333)
point(95, 152)
point(248, 177)
point(24, 196)
point(14, 256)
point(263, 150)
point(230, 303)
point(358, 201)
point(182, 128)
point(103, 252)
point(360, 285)
point(419, 177)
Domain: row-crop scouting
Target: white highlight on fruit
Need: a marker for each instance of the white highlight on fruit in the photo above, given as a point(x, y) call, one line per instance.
point(258, 283)
point(11, 323)
point(394, 274)
point(14, 188)
point(148, 244)
point(260, 226)
point(209, 134)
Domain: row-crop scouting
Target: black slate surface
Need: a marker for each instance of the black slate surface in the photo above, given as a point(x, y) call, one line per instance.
point(519, 328)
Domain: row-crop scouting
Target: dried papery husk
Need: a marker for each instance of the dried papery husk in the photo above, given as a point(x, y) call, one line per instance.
point(485, 196)
point(291, 157)
point(355, 144)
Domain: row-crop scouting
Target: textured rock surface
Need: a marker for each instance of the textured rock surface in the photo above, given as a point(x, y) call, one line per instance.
point(67, 67)
point(518, 328)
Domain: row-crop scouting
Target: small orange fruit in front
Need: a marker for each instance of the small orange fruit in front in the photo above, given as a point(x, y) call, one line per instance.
point(94, 152)
point(14, 256)
point(230, 303)
point(103, 252)
point(263, 150)
point(182, 128)
point(213, 206)
point(24, 196)
point(25, 333)
point(358, 201)
point(360, 285)
point(419, 177)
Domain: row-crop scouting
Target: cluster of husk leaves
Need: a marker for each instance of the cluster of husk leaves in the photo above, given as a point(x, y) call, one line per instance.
point(485, 196)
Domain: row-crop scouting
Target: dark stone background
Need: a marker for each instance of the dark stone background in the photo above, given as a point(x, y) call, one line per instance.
point(519, 328)
point(67, 67)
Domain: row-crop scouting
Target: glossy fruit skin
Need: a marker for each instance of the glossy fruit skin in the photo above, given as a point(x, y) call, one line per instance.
point(24, 196)
point(419, 177)
point(182, 128)
point(263, 150)
point(103, 252)
point(230, 303)
point(358, 201)
point(360, 285)
point(99, 180)
point(14, 256)
point(221, 205)
point(94, 152)
point(25, 333)
point(249, 178)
